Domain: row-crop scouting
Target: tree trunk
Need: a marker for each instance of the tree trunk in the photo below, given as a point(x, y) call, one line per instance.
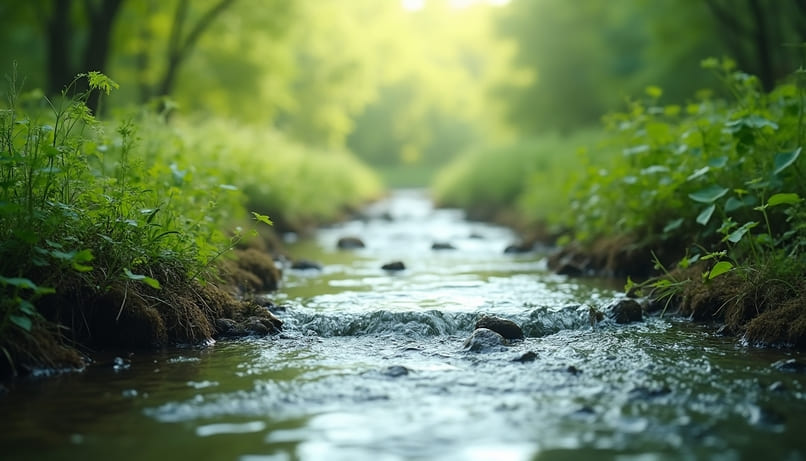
point(96, 53)
point(59, 70)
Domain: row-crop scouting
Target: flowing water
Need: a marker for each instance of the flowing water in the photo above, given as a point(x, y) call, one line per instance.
point(371, 366)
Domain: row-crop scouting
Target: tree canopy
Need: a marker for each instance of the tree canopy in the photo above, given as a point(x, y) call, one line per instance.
point(397, 81)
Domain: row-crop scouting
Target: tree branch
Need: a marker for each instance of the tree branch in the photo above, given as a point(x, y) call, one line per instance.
point(179, 49)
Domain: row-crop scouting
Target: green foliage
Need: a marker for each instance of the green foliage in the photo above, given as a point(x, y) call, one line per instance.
point(532, 177)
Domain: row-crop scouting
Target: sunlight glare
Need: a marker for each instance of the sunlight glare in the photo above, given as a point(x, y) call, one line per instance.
point(412, 5)
point(417, 5)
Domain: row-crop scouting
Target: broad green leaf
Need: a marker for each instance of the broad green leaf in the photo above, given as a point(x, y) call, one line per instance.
point(262, 218)
point(783, 160)
point(63, 255)
point(737, 235)
point(83, 256)
point(719, 268)
point(705, 215)
point(733, 203)
point(18, 282)
point(718, 162)
point(708, 195)
point(783, 199)
point(751, 121)
point(673, 225)
point(21, 321)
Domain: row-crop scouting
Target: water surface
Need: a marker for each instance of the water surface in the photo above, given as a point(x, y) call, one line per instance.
point(372, 367)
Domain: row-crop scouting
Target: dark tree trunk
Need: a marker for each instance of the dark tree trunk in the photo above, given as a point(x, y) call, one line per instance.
point(59, 69)
point(761, 39)
point(96, 53)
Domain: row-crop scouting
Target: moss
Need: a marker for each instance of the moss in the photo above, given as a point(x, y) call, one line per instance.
point(766, 305)
point(251, 270)
point(132, 315)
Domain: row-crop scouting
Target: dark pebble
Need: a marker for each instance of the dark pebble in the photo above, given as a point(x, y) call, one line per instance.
point(442, 246)
point(394, 266)
point(573, 370)
point(526, 357)
point(395, 371)
point(348, 243)
point(304, 264)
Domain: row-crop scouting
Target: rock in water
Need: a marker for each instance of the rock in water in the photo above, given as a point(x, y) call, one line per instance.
point(506, 328)
point(626, 311)
point(394, 266)
point(304, 264)
point(485, 340)
point(348, 243)
point(442, 246)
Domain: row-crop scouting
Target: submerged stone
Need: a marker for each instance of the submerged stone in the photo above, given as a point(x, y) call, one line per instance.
point(529, 356)
point(485, 340)
point(442, 246)
point(394, 266)
point(349, 243)
point(395, 371)
point(517, 248)
point(304, 264)
point(506, 328)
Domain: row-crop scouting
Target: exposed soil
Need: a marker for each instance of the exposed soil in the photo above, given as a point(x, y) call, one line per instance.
point(131, 315)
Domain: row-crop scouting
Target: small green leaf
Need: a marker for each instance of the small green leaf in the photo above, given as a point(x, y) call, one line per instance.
point(737, 235)
point(708, 195)
point(705, 215)
point(673, 225)
point(78, 267)
point(718, 162)
point(153, 283)
point(27, 308)
point(142, 278)
point(21, 321)
point(783, 199)
point(262, 218)
point(719, 268)
point(783, 160)
point(653, 91)
point(698, 173)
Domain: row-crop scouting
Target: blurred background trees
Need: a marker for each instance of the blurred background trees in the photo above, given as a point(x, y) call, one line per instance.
point(398, 82)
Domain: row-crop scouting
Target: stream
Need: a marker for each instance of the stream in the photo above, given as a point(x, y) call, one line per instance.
point(372, 367)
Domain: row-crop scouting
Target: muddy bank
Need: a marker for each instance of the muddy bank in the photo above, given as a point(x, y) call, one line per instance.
point(76, 321)
point(763, 305)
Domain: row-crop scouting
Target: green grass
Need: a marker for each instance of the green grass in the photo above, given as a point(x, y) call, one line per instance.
point(124, 220)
